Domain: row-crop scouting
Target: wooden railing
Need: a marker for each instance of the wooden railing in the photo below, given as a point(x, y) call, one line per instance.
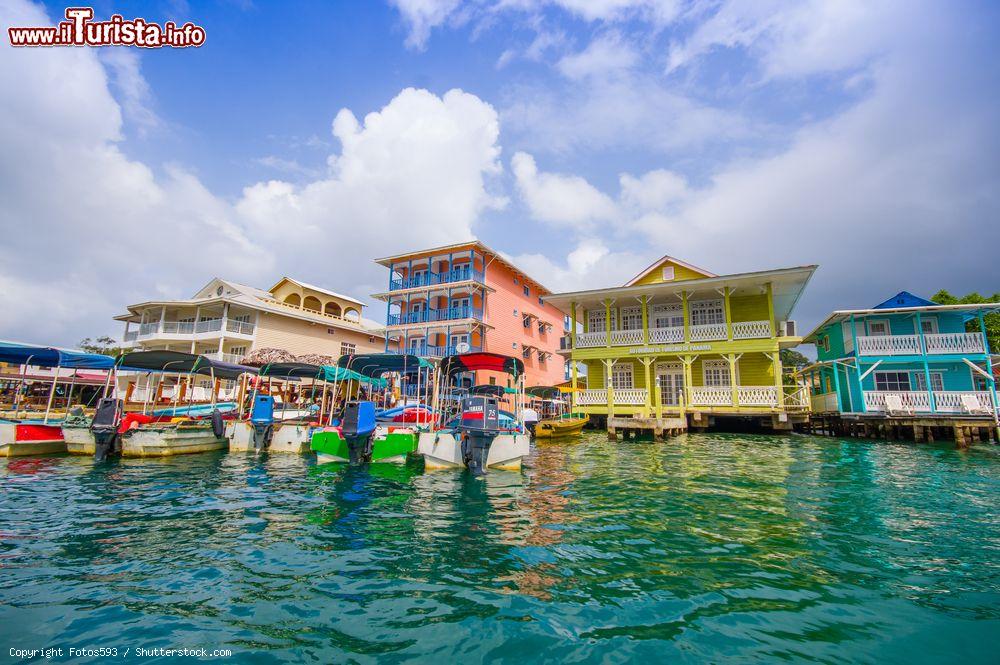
point(751, 329)
point(950, 401)
point(757, 395)
point(594, 396)
point(912, 400)
point(591, 339)
point(632, 396)
point(711, 395)
point(889, 345)
point(711, 331)
point(954, 343)
point(626, 337)
point(666, 335)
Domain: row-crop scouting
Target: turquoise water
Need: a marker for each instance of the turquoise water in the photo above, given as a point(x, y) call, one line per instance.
point(705, 548)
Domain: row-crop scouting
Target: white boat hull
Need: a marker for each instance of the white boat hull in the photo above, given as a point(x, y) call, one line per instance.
point(443, 450)
point(79, 440)
point(170, 440)
point(285, 437)
point(22, 439)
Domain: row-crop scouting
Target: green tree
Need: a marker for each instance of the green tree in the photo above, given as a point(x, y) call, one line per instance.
point(103, 344)
point(792, 361)
point(943, 297)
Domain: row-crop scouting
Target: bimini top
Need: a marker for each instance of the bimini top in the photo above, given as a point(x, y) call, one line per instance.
point(50, 356)
point(292, 371)
point(544, 392)
point(181, 363)
point(492, 362)
point(488, 389)
point(377, 364)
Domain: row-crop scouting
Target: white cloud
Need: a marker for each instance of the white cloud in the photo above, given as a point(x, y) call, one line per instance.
point(605, 55)
point(560, 199)
point(423, 16)
point(132, 88)
point(88, 230)
point(590, 264)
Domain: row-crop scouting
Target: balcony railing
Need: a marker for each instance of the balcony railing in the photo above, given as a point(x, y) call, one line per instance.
point(711, 395)
point(131, 336)
point(889, 345)
point(592, 397)
point(208, 325)
point(751, 329)
point(673, 335)
point(240, 327)
point(591, 339)
point(757, 395)
point(225, 357)
point(178, 327)
point(919, 401)
point(708, 332)
point(147, 330)
point(436, 351)
point(461, 274)
point(955, 343)
point(626, 337)
point(434, 315)
point(825, 403)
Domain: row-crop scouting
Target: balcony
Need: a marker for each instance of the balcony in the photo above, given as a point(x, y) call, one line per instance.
point(919, 401)
point(709, 332)
point(750, 396)
point(436, 351)
point(751, 329)
point(626, 337)
point(435, 315)
point(909, 345)
point(190, 329)
point(461, 274)
point(673, 335)
point(234, 358)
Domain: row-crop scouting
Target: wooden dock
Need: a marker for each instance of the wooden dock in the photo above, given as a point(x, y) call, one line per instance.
point(632, 428)
point(963, 430)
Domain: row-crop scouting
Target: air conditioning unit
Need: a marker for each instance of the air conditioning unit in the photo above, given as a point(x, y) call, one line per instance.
point(789, 328)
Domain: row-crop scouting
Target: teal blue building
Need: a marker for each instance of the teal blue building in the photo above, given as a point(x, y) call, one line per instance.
point(905, 356)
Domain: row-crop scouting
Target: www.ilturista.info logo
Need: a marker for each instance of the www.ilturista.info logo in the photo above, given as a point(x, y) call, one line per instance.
point(80, 30)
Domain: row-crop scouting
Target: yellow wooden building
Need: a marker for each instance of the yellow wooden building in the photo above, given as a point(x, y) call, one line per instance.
point(680, 341)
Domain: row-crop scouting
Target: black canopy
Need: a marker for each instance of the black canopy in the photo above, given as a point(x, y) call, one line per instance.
point(181, 363)
point(292, 371)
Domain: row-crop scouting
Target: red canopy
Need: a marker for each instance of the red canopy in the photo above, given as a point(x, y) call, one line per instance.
point(471, 362)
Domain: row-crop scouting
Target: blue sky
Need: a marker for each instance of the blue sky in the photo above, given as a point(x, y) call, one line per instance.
point(582, 138)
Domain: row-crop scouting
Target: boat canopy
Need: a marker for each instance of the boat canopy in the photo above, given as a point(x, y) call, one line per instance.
point(181, 363)
point(334, 374)
point(489, 389)
point(292, 371)
point(471, 362)
point(376, 364)
point(50, 356)
point(544, 392)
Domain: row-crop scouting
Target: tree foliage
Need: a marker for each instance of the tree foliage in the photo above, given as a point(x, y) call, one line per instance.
point(103, 344)
point(792, 360)
point(943, 297)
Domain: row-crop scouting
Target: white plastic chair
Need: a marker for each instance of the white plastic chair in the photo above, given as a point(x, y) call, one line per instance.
point(894, 406)
point(971, 405)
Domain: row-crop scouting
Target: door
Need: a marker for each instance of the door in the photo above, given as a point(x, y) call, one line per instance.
point(670, 380)
point(456, 339)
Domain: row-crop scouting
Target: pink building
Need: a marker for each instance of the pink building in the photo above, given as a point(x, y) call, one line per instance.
point(467, 297)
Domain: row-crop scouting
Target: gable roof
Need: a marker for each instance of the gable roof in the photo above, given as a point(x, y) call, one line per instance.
point(905, 299)
point(663, 259)
point(313, 287)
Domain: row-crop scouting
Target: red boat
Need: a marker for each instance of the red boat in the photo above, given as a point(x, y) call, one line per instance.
point(30, 438)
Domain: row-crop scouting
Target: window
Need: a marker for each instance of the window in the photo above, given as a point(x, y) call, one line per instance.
point(459, 302)
point(668, 273)
point(631, 318)
point(668, 316)
point(878, 328)
point(845, 331)
point(347, 349)
point(238, 351)
point(242, 318)
point(716, 373)
point(893, 381)
point(621, 376)
point(418, 306)
point(416, 343)
point(459, 338)
point(527, 291)
point(541, 302)
point(707, 312)
point(596, 320)
point(929, 326)
point(920, 381)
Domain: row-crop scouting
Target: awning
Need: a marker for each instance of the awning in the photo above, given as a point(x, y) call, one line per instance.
point(544, 392)
point(334, 374)
point(376, 364)
point(181, 363)
point(49, 356)
point(292, 371)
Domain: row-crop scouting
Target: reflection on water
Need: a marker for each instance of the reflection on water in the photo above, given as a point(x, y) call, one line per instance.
point(705, 547)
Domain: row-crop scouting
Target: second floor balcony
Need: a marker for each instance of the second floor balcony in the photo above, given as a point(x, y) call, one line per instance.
point(910, 345)
point(433, 315)
point(190, 329)
point(741, 330)
point(418, 280)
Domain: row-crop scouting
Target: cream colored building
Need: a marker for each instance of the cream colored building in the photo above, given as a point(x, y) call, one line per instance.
point(226, 320)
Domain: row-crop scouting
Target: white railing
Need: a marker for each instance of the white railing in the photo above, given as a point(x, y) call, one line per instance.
point(912, 400)
point(797, 397)
point(591, 339)
point(712, 396)
point(178, 327)
point(825, 403)
point(591, 396)
point(889, 345)
point(626, 337)
point(954, 343)
point(757, 395)
point(208, 325)
point(950, 401)
point(147, 329)
point(224, 357)
point(240, 327)
point(666, 335)
point(708, 332)
point(629, 396)
point(130, 336)
point(751, 329)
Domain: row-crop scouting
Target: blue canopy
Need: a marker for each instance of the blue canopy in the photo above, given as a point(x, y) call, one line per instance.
point(50, 356)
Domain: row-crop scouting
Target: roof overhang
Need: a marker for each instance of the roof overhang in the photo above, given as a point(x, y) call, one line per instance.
point(667, 257)
point(845, 314)
point(787, 287)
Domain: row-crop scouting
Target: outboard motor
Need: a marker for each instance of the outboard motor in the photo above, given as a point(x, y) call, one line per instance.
point(479, 424)
point(104, 427)
point(262, 419)
point(358, 429)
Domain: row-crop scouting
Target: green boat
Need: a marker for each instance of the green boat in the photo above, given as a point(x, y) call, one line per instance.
point(386, 442)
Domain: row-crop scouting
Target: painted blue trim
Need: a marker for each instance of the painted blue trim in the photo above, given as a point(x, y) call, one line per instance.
point(857, 368)
point(927, 368)
point(836, 387)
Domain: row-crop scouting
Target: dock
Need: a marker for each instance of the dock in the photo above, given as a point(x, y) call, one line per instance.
point(632, 428)
point(963, 430)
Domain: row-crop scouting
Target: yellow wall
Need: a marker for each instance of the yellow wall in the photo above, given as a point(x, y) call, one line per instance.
point(302, 337)
point(655, 275)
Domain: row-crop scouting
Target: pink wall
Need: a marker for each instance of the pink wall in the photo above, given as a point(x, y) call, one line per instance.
point(508, 329)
